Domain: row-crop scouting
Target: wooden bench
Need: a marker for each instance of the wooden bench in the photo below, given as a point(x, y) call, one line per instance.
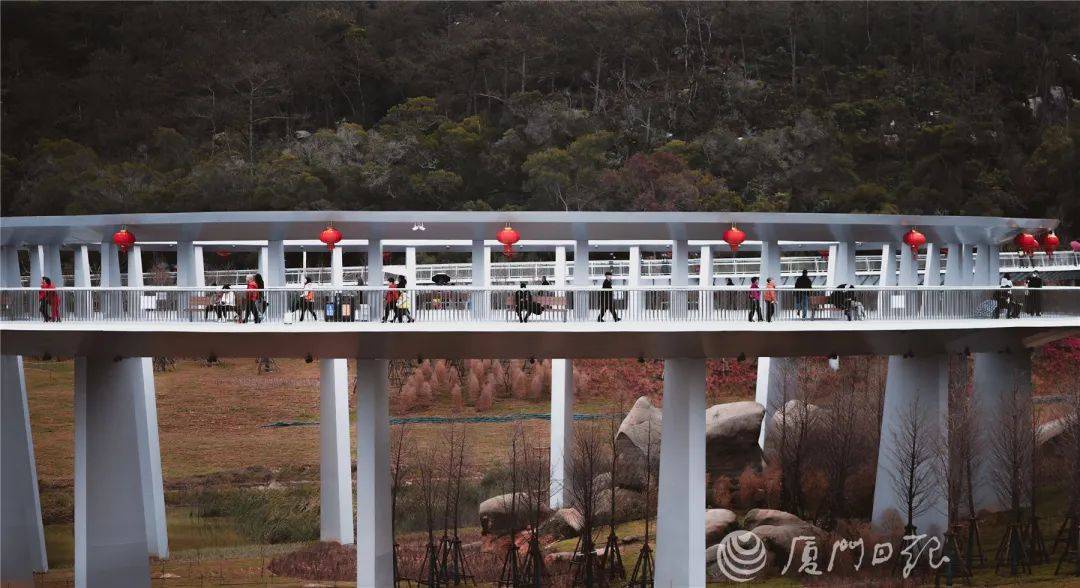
point(823, 304)
point(197, 304)
point(549, 303)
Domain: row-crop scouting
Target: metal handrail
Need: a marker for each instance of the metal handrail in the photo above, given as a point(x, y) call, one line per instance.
point(503, 303)
point(722, 266)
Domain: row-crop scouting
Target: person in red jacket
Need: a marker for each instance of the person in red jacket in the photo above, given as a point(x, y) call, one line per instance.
point(48, 301)
point(251, 302)
point(390, 299)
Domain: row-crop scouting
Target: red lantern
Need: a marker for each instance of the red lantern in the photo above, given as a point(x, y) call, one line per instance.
point(734, 237)
point(124, 239)
point(223, 253)
point(914, 239)
point(508, 236)
point(330, 236)
point(1027, 243)
point(1075, 246)
point(1050, 243)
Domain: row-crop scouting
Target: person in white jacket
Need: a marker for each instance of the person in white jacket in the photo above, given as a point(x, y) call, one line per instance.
point(228, 302)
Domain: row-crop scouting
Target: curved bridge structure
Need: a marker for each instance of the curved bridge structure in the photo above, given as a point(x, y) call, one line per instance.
point(918, 308)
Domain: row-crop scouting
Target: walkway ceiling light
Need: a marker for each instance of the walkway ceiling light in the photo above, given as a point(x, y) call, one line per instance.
point(508, 236)
point(1027, 243)
point(330, 236)
point(419, 227)
point(124, 239)
point(914, 239)
point(734, 237)
point(1050, 242)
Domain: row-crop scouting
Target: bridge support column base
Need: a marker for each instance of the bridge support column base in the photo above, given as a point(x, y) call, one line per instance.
point(335, 473)
point(374, 527)
point(110, 525)
point(562, 428)
point(22, 536)
point(680, 514)
point(775, 386)
point(913, 424)
point(1002, 385)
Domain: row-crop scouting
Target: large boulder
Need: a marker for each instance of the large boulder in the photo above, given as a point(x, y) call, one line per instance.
point(731, 437)
point(629, 505)
point(563, 524)
point(632, 441)
point(778, 538)
point(799, 414)
point(756, 517)
point(495, 514)
point(1050, 436)
point(718, 523)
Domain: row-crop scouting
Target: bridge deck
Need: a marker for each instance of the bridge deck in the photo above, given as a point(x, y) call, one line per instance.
point(630, 339)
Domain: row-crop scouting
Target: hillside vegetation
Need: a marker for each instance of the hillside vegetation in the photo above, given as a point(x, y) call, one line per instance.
point(933, 108)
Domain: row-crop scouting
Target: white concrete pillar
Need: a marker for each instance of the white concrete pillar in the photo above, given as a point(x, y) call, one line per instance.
point(10, 275)
point(560, 267)
point(581, 278)
point(375, 276)
point(481, 278)
point(200, 268)
point(1001, 385)
point(932, 275)
point(967, 264)
point(987, 265)
point(135, 267)
point(110, 539)
point(845, 259)
point(887, 277)
point(110, 265)
point(22, 536)
point(562, 429)
point(374, 529)
point(410, 274)
point(275, 264)
point(705, 268)
point(82, 267)
point(916, 407)
point(37, 265)
point(149, 448)
point(636, 299)
point(770, 262)
point(83, 300)
point(410, 266)
point(134, 280)
point(909, 274)
point(680, 269)
point(954, 265)
point(52, 264)
point(680, 512)
point(335, 514)
point(264, 261)
point(186, 266)
point(831, 268)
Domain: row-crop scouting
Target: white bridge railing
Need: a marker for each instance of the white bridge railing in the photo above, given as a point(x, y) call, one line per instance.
point(499, 304)
point(739, 268)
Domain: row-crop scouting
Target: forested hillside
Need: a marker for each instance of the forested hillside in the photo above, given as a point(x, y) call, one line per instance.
point(965, 108)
